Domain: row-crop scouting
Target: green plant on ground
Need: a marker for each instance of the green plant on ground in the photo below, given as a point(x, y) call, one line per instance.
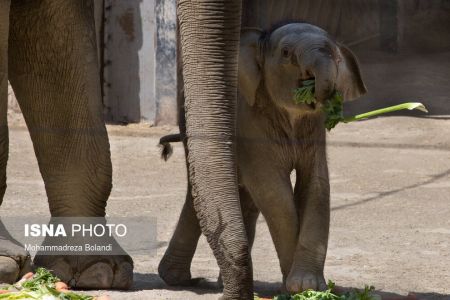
point(42, 285)
point(366, 294)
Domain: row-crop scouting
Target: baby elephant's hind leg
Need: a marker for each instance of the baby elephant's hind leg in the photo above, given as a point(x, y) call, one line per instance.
point(250, 214)
point(175, 266)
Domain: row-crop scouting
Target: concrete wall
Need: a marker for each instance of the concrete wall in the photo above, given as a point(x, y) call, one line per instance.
point(129, 61)
point(12, 102)
point(139, 61)
point(166, 62)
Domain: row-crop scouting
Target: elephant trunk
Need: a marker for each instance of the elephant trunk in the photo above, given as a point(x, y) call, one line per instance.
point(325, 73)
point(210, 43)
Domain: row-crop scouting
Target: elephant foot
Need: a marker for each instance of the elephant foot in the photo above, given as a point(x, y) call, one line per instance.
point(15, 261)
point(90, 272)
point(299, 280)
point(176, 271)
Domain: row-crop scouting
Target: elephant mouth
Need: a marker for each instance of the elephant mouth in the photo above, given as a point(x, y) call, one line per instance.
point(305, 78)
point(311, 106)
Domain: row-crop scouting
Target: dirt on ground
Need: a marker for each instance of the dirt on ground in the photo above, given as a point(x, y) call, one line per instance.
point(390, 198)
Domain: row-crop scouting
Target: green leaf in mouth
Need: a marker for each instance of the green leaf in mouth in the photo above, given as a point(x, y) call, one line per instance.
point(305, 94)
point(334, 110)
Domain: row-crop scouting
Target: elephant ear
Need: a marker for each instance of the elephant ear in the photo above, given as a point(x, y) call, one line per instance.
point(250, 60)
point(349, 80)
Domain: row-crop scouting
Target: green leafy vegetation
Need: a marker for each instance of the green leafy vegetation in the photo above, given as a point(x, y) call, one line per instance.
point(40, 277)
point(334, 110)
point(305, 94)
point(366, 294)
point(42, 285)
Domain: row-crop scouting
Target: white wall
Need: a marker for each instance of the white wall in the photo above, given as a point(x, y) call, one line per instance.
point(12, 102)
point(139, 61)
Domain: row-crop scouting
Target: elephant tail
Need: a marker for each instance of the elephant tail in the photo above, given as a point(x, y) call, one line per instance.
point(166, 147)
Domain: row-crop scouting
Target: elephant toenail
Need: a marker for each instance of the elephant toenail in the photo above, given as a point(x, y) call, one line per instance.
point(72, 282)
point(99, 275)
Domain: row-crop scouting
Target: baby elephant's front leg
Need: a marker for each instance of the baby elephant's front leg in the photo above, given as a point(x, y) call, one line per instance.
point(312, 195)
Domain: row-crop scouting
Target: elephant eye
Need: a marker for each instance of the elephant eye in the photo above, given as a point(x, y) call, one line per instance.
point(285, 52)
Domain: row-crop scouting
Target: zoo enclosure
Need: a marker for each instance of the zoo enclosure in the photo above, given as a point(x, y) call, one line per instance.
point(403, 47)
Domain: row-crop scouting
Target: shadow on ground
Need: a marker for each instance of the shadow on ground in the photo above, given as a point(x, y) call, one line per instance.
point(153, 281)
point(263, 289)
point(393, 296)
point(381, 195)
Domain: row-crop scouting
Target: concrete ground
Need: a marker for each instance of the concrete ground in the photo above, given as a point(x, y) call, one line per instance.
point(390, 197)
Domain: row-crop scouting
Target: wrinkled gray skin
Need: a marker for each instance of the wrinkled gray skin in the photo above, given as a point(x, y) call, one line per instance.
point(50, 59)
point(275, 137)
point(48, 52)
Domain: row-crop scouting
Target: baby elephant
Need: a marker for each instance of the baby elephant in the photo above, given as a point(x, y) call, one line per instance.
point(275, 137)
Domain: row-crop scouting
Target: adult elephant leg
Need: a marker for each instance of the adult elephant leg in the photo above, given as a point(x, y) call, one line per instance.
point(54, 73)
point(14, 260)
point(4, 142)
point(210, 42)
